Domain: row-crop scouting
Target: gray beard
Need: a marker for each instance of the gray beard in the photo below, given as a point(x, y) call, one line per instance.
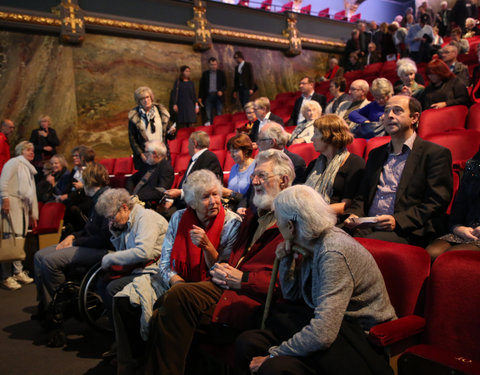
point(264, 201)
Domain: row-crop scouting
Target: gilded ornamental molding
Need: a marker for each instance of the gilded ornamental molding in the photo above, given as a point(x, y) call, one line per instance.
point(55, 21)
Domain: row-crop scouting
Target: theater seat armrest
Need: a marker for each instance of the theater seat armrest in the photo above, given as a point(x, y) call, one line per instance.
point(388, 333)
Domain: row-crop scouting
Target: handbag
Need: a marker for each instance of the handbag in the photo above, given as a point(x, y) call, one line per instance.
point(12, 248)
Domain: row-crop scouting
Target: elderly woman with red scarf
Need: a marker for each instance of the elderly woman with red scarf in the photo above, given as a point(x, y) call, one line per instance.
point(197, 237)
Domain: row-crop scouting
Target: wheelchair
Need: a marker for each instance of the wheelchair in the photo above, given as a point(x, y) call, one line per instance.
point(78, 298)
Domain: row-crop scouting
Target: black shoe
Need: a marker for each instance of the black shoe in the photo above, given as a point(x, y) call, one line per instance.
point(110, 353)
point(58, 338)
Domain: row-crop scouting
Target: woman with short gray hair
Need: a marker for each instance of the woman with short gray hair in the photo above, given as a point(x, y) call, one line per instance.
point(18, 195)
point(333, 295)
point(367, 119)
point(197, 237)
point(406, 71)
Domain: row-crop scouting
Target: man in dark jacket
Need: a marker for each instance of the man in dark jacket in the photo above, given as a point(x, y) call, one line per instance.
point(212, 90)
point(244, 84)
point(407, 184)
point(85, 247)
point(151, 181)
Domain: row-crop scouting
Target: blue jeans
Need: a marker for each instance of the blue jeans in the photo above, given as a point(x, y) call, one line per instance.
point(213, 102)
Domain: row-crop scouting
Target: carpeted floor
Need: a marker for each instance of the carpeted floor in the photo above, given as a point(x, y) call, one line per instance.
point(22, 342)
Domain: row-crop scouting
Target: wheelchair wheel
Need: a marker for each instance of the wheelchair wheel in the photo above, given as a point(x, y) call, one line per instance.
point(90, 303)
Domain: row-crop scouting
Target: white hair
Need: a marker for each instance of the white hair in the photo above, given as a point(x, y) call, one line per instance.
point(311, 219)
point(311, 104)
point(406, 65)
point(276, 132)
point(158, 147)
point(197, 183)
point(282, 165)
point(111, 200)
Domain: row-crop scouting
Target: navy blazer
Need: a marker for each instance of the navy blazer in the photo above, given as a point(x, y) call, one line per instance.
point(423, 193)
point(298, 106)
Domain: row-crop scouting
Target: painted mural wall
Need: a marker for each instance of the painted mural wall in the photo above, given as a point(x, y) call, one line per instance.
point(88, 90)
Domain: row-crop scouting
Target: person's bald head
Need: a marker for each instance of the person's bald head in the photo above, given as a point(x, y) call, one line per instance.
point(7, 127)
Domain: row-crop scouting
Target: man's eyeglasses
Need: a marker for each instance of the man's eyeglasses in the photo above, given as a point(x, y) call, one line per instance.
point(262, 176)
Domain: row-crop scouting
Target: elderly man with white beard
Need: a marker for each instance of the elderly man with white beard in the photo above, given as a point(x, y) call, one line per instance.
point(237, 290)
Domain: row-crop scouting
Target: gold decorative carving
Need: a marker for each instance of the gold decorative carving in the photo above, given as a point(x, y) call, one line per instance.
point(138, 26)
point(293, 36)
point(73, 26)
point(26, 18)
point(88, 20)
point(203, 34)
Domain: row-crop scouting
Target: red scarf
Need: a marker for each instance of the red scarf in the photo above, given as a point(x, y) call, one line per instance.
point(186, 258)
point(331, 73)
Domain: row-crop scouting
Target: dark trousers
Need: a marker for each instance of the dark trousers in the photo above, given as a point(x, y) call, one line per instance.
point(350, 353)
point(243, 96)
point(184, 308)
point(213, 106)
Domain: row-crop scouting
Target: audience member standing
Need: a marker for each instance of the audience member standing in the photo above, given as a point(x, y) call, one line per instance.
point(7, 128)
point(44, 139)
point(183, 100)
point(443, 19)
point(244, 83)
point(146, 122)
point(19, 199)
point(212, 88)
point(462, 10)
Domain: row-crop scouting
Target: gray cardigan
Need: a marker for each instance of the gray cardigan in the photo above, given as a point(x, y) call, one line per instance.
point(140, 242)
point(341, 280)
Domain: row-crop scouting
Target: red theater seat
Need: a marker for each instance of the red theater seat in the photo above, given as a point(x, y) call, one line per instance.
point(50, 222)
point(463, 144)
point(223, 129)
point(442, 120)
point(324, 13)
point(109, 164)
point(206, 129)
point(184, 133)
point(123, 166)
point(181, 163)
point(473, 121)
point(175, 146)
point(374, 143)
point(358, 146)
point(217, 142)
point(305, 150)
point(221, 119)
point(221, 154)
point(450, 344)
point(405, 269)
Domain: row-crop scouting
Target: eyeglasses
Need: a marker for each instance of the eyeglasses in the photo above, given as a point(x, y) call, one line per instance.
point(262, 176)
point(111, 217)
point(75, 156)
point(149, 152)
point(264, 139)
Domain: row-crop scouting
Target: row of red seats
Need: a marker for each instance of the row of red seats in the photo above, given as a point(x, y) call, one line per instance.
point(436, 306)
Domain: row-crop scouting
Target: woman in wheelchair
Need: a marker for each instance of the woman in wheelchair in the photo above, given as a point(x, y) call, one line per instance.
point(197, 237)
point(137, 235)
point(84, 248)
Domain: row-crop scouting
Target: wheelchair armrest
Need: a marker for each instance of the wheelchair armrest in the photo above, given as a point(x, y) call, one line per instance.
point(388, 333)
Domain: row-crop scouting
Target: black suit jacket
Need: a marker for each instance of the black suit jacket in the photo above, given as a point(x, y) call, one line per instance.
point(423, 193)
point(161, 177)
point(254, 132)
point(245, 79)
point(40, 142)
point(207, 160)
point(205, 83)
point(298, 104)
point(299, 165)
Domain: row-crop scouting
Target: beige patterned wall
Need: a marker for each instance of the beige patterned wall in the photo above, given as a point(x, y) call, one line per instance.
point(88, 90)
